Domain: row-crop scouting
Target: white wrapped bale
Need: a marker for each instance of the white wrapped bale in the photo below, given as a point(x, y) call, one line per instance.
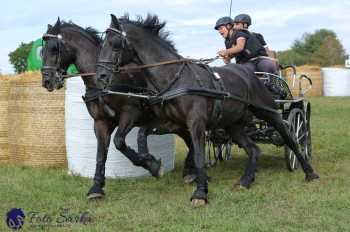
point(81, 143)
point(336, 81)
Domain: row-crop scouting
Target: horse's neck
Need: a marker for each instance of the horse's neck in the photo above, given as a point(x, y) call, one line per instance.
point(86, 55)
point(159, 77)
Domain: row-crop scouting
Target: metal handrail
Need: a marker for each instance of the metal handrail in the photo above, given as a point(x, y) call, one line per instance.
point(293, 75)
point(302, 92)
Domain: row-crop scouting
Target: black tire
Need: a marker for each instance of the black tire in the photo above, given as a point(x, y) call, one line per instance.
point(308, 123)
point(299, 129)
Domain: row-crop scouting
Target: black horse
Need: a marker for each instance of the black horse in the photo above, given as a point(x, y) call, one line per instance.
point(144, 42)
point(67, 43)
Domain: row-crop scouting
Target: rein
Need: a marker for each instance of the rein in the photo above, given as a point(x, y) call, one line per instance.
point(135, 68)
point(184, 60)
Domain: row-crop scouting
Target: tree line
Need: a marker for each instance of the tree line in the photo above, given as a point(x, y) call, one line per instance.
point(321, 48)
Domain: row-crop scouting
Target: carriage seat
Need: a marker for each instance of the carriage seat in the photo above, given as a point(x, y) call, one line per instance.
point(277, 85)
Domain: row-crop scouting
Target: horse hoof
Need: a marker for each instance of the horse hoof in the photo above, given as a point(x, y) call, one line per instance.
point(156, 169)
point(196, 203)
point(312, 177)
point(96, 193)
point(188, 179)
point(95, 196)
point(241, 185)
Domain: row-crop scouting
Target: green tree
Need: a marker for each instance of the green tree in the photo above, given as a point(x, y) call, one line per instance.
point(290, 57)
point(321, 47)
point(18, 57)
point(331, 52)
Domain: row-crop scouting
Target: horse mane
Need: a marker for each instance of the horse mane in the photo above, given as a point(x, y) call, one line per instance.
point(152, 24)
point(90, 32)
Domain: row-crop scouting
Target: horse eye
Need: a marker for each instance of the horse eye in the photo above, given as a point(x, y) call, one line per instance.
point(116, 43)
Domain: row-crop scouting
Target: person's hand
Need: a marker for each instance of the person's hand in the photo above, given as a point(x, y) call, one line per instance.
point(223, 53)
point(226, 60)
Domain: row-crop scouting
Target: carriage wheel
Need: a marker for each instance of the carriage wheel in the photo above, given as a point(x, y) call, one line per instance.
point(210, 153)
point(219, 150)
point(299, 129)
point(228, 153)
point(223, 151)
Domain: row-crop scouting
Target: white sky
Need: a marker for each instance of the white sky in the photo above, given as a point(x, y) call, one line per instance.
point(189, 21)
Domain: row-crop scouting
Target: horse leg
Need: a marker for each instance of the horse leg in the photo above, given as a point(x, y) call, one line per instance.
point(142, 145)
point(144, 160)
point(103, 131)
point(189, 174)
point(252, 150)
point(276, 121)
point(189, 171)
point(197, 131)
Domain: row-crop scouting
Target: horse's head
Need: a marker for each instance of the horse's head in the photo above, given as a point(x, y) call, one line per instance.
point(116, 51)
point(56, 57)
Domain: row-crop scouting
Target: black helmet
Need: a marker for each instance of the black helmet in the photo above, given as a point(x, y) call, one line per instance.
point(243, 18)
point(223, 21)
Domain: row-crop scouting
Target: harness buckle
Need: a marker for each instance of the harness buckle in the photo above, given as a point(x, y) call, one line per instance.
point(217, 76)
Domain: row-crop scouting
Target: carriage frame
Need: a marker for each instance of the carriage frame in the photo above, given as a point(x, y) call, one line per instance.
point(294, 110)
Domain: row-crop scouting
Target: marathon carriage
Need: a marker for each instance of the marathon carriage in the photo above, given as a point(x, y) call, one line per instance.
point(295, 111)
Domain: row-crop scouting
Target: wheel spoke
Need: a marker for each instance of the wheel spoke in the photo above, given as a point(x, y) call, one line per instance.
point(297, 132)
point(294, 159)
point(301, 137)
point(301, 124)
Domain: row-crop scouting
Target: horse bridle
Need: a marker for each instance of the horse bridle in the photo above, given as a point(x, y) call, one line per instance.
point(106, 64)
point(60, 71)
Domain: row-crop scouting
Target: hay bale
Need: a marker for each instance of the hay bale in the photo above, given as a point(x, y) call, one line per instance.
point(4, 95)
point(36, 123)
point(314, 72)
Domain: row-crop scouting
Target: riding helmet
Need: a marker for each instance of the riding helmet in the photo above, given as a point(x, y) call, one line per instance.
point(243, 18)
point(223, 21)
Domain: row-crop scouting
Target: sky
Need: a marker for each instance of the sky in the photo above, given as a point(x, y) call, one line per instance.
point(190, 22)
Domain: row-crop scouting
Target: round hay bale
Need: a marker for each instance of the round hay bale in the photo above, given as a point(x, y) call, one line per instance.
point(4, 95)
point(36, 123)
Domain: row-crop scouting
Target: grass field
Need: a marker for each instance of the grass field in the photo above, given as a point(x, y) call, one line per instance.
point(278, 200)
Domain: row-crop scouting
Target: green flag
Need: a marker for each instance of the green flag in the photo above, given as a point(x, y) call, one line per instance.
point(34, 61)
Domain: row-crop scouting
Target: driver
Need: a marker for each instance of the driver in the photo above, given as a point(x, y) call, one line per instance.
point(246, 47)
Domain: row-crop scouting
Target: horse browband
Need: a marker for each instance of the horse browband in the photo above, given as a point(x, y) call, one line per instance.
point(46, 35)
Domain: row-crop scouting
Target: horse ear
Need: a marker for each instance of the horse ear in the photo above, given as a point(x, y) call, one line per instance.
point(56, 28)
point(58, 21)
point(115, 22)
point(49, 27)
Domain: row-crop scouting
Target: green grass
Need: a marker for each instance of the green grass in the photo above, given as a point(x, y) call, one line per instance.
point(278, 200)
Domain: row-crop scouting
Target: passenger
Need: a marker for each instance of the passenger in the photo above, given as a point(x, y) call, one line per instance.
point(246, 47)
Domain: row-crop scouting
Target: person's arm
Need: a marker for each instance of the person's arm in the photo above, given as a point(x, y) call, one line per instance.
point(228, 54)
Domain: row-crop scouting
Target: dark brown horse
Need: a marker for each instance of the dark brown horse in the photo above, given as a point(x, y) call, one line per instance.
point(67, 43)
point(144, 42)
